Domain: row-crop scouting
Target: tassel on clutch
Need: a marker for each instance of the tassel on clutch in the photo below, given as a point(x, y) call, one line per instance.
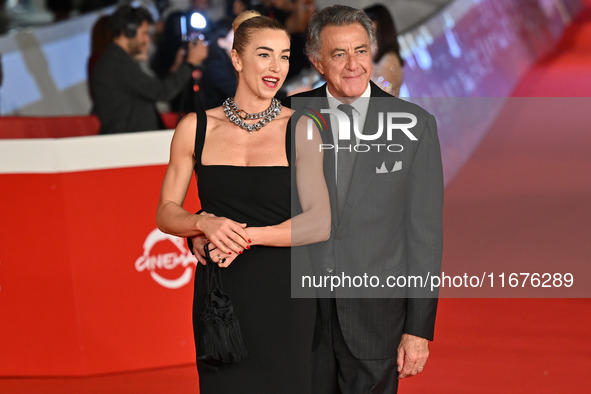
point(219, 336)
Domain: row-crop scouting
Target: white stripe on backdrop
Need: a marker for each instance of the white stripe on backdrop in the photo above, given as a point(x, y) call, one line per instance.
point(43, 156)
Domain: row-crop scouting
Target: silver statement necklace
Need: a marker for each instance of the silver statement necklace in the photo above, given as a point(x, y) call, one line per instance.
point(238, 116)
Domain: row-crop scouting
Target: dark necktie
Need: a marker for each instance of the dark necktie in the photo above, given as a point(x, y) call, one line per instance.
point(345, 160)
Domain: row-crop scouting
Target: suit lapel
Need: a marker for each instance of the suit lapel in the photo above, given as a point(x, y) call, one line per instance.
point(363, 170)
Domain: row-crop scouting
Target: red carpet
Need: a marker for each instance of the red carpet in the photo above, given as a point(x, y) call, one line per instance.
point(565, 73)
point(522, 198)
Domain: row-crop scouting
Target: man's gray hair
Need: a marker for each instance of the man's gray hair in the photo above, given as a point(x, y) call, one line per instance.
point(336, 15)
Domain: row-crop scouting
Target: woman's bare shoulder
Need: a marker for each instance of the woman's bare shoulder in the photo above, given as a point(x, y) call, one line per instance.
point(188, 122)
point(184, 136)
point(285, 113)
point(215, 116)
point(216, 112)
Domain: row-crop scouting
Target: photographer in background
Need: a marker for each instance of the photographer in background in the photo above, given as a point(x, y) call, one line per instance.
point(219, 76)
point(171, 46)
point(125, 96)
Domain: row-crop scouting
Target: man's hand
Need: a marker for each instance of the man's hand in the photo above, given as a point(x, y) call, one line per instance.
point(199, 242)
point(222, 259)
point(413, 352)
point(197, 52)
point(178, 60)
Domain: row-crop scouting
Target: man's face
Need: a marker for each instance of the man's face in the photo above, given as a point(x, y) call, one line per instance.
point(140, 44)
point(345, 59)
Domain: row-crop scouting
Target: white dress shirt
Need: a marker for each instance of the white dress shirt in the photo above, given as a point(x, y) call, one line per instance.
point(360, 106)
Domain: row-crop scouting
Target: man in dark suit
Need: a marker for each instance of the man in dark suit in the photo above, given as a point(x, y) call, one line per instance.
point(124, 95)
point(386, 216)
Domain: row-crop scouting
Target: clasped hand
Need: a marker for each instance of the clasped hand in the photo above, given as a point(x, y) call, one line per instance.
point(227, 239)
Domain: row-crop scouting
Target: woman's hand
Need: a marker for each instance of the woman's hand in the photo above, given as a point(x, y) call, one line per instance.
point(223, 260)
point(225, 234)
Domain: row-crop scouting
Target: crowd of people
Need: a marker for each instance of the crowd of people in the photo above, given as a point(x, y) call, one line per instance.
point(177, 68)
point(161, 67)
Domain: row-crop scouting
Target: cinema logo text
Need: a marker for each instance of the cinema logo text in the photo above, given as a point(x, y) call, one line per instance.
point(168, 261)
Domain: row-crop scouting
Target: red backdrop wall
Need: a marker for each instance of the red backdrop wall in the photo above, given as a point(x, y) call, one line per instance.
point(79, 293)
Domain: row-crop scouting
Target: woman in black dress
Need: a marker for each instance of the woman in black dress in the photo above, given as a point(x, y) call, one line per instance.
point(244, 177)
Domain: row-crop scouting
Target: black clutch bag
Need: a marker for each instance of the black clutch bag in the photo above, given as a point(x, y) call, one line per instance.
point(218, 333)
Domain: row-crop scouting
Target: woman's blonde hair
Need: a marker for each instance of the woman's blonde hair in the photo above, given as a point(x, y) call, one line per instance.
point(248, 22)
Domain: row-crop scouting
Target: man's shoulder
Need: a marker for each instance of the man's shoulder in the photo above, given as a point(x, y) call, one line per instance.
point(318, 92)
point(113, 54)
point(311, 93)
point(114, 64)
point(400, 105)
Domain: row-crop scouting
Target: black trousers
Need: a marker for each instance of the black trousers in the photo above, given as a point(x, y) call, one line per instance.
point(336, 371)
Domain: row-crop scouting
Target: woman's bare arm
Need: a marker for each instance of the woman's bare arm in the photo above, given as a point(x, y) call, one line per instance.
point(171, 217)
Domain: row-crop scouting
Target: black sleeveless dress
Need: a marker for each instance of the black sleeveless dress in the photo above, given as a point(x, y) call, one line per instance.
point(277, 329)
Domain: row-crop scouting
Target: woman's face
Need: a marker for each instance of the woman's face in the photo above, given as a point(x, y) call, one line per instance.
point(264, 62)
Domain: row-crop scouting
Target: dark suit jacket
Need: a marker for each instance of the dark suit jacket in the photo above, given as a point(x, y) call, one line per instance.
point(391, 225)
point(125, 96)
